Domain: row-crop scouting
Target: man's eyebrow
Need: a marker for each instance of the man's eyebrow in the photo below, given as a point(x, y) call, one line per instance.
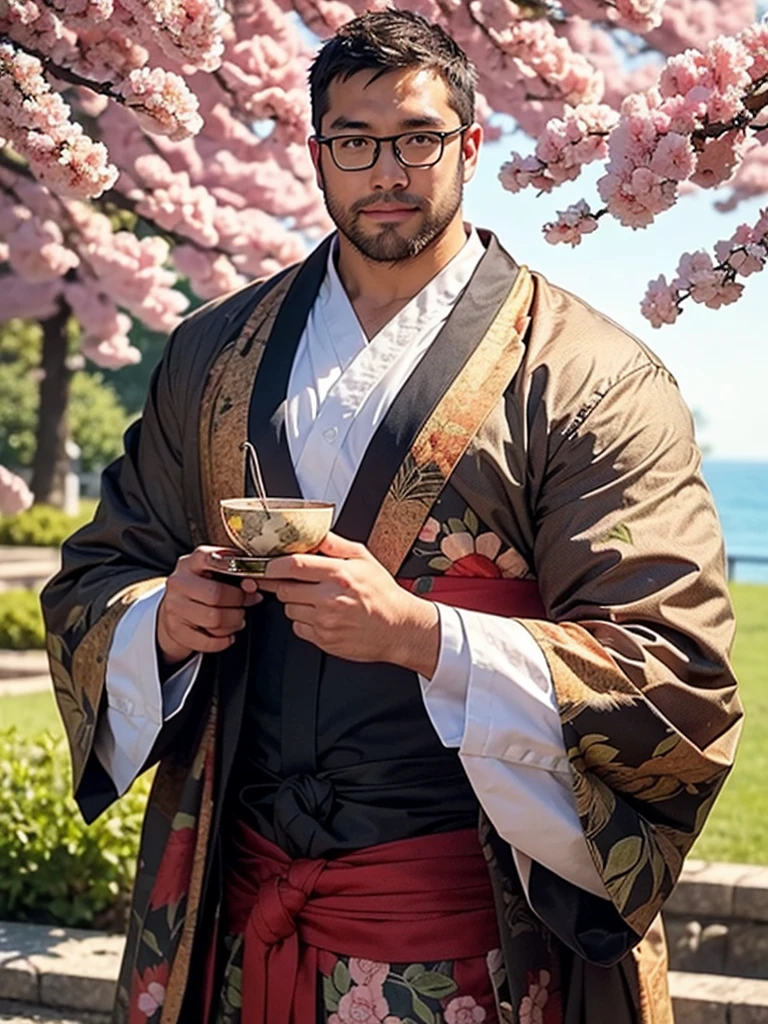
point(345, 122)
point(424, 121)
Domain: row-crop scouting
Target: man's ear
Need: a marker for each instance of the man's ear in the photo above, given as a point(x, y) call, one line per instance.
point(472, 140)
point(314, 151)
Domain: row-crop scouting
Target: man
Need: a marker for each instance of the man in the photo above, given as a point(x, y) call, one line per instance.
point(520, 616)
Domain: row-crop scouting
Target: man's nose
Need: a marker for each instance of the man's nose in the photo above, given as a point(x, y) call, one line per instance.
point(388, 172)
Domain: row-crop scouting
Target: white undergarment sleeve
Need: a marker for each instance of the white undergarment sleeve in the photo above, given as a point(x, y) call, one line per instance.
point(492, 697)
point(137, 703)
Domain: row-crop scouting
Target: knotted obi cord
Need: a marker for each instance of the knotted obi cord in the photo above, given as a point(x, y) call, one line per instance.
point(421, 899)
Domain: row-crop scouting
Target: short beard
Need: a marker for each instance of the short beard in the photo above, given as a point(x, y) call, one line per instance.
point(388, 246)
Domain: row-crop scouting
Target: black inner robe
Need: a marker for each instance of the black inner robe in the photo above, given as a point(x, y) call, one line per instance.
point(334, 755)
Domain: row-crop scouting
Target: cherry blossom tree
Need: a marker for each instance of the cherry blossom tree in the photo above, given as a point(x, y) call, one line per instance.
point(143, 141)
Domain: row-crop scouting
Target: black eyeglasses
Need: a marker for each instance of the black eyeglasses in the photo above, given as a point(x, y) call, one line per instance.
point(412, 149)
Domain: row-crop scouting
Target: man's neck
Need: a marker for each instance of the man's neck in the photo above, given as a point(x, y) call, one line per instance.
point(383, 285)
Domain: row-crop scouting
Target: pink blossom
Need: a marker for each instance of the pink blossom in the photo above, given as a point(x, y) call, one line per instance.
point(237, 200)
point(691, 23)
point(520, 172)
point(162, 103)
point(37, 122)
point(108, 55)
point(188, 31)
point(750, 260)
point(429, 531)
point(760, 229)
point(494, 961)
point(660, 303)
point(673, 157)
point(745, 251)
point(25, 299)
point(105, 339)
point(686, 112)
point(692, 267)
point(730, 62)
point(532, 1005)
point(565, 145)
point(210, 274)
point(76, 167)
point(188, 209)
point(639, 15)
point(682, 73)
point(115, 351)
point(464, 1010)
point(755, 41)
point(622, 203)
point(36, 252)
point(363, 1005)
point(151, 1000)
point(15, 496)
point(368, 972)
point(716, 163)
point(706, 283)
point(571, 224)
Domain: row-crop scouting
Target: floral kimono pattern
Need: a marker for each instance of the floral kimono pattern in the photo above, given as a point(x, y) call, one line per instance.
point(559, 451)
point(358, 991)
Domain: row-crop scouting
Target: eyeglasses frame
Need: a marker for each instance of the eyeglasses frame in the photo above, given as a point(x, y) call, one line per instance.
point(328, 140)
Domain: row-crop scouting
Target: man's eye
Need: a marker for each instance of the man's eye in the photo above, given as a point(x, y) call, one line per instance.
point(421, 140)
point(357, 142)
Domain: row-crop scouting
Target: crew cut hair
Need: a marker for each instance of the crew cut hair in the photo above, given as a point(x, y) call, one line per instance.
point(383, 41)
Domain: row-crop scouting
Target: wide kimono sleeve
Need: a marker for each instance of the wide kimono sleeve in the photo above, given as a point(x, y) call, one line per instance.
point(629, 557)
point(140, 529)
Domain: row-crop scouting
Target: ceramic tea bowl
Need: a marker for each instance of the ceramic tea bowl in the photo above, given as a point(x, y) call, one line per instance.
point(288, 526)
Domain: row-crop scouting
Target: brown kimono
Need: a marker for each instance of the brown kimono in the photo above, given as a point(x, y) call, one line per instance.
point(561, 448)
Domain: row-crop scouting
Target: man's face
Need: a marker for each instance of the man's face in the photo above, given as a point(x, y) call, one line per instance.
point(390, 212)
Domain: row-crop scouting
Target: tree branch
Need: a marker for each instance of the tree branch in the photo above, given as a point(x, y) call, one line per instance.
point(62, 73)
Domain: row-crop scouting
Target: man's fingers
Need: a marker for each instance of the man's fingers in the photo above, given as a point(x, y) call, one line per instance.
point(202, 643)
point(300, 613)
point(209, 618)
point(305, 568)
point(207, 591)
point(339, 547)
point(296, 593)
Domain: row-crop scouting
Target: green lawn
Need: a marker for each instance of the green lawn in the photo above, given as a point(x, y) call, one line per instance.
point(30, 715)
point(738, 827)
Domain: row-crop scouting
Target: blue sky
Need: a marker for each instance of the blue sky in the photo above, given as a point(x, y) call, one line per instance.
point(719, 357)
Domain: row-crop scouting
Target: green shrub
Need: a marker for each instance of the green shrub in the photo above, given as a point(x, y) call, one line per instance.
point(53, 868)
point(21, 621)
point(43, 525)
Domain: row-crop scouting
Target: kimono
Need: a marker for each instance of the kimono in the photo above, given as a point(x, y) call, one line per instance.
point(554, 449)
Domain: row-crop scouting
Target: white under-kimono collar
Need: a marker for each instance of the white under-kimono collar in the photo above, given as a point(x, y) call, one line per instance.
point(342, 384)
point(434, 300)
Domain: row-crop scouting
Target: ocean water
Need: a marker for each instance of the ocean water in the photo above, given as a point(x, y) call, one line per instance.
point(740, 490)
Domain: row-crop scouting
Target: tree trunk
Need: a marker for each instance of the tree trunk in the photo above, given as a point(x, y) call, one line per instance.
point(50, 465)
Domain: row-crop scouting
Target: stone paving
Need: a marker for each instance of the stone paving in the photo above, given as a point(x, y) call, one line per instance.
point(26, 566)
point(20, 1013)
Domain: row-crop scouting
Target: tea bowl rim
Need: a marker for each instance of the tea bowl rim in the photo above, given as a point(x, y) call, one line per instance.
point(275, 505)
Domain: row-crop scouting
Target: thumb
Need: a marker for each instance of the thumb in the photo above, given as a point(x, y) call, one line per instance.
point(339, 547)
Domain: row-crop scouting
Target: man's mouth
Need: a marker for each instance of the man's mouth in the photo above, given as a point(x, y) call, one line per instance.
point(389, 213)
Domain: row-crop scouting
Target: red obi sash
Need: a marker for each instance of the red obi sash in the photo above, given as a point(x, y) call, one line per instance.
point(510, 598)
point(427, 898)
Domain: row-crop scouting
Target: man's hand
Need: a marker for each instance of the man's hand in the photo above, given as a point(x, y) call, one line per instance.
point(347, 604)
point(198, 614)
